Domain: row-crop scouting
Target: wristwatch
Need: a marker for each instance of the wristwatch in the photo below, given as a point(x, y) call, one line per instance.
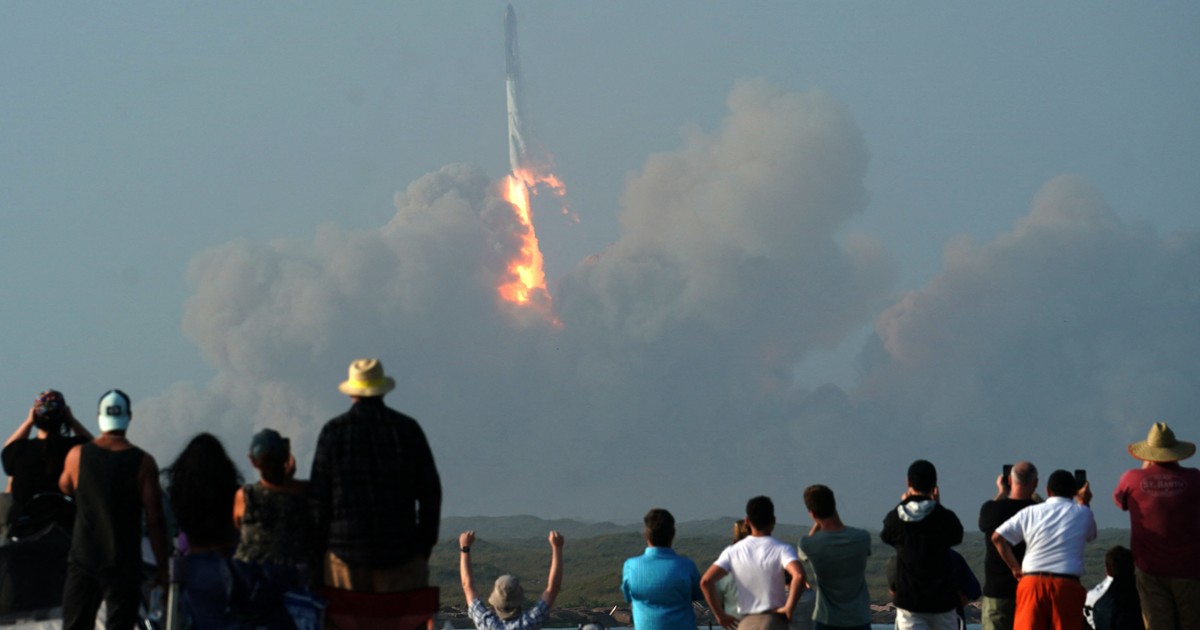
point(465, 549)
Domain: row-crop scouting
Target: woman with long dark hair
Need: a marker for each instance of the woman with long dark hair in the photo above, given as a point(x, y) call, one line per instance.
point(200, 486)
point(34, 465)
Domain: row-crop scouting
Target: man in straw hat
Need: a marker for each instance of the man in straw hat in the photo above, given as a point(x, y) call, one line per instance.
point(1163, 501)
point(508, 598)
point(376, 491)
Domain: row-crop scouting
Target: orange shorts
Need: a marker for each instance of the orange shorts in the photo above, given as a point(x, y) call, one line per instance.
point(1045, 603)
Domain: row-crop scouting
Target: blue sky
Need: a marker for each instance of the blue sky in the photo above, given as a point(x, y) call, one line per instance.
point(255, 144)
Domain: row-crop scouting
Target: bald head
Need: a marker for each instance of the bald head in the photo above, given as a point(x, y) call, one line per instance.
point(1024, 479)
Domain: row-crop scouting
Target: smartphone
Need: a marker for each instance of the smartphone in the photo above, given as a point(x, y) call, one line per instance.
point(1007, 476)
point(1080, 477)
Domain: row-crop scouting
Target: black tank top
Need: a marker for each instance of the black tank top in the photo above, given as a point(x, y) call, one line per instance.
point(108, 511)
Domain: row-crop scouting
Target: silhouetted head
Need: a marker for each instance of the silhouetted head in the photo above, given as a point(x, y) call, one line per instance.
point(270, 452)
point(1118, 562)
point(740, 529)
point(1061, 484)
point(819, 500)
point(760, 512)
point(50, 413)
point(922, 476)
point(660, 527)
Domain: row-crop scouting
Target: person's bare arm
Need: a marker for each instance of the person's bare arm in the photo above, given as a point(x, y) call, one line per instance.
point(465, 540)
point(1084, 495)
point(798, 581)
point(77, 427)
point(708, 586)
point(23, 431)
point(156, 524)
point(554, 581)
point(1006, 553)
point(70, 474)
point(239, 507)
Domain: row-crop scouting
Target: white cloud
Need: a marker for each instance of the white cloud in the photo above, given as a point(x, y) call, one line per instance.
point(670, 381)
point(728, 272)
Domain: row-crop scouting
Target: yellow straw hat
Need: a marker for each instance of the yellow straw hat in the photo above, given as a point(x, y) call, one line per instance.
point(1161, 446)
point(366, 378)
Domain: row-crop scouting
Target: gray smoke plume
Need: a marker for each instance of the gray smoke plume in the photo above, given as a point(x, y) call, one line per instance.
point(671, 378)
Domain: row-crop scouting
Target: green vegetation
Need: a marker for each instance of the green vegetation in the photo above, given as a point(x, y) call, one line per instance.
point(592, 571)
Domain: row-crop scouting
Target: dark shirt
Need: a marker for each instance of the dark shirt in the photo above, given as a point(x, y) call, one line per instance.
point(376, 492)
point(998, 580)
point(1119, 608)
point(108, 512)
point(275, 527)
point(36, 465)
point(925, 580)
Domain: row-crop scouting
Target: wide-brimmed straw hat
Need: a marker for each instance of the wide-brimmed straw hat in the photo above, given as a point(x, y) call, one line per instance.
point(1161, 446)
point(366, 378)
point(507, 596)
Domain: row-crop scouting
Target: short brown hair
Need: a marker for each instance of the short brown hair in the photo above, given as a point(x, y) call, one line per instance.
point(819, 500)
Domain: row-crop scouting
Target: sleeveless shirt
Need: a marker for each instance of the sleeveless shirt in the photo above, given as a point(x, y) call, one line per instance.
point(108, 511)
point(275, 527)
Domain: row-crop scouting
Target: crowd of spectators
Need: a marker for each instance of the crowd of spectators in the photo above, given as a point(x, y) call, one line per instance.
point(367, 520)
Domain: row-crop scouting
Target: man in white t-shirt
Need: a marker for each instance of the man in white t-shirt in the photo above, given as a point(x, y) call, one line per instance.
point(1049, 594)
point(757, 564)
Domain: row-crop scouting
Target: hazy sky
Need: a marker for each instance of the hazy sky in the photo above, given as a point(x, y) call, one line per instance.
point(815, 241)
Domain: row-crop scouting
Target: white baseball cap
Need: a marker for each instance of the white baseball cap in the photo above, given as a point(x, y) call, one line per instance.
point(114, 413)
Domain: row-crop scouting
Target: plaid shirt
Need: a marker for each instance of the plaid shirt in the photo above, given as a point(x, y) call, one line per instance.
point(485, 618)
point(375, 487)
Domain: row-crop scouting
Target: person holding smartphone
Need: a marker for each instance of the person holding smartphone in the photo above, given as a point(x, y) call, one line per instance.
point(1014, 492)
point(1055, 532)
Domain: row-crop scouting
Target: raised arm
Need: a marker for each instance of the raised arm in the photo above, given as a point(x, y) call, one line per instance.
point(23, 431)
point(77, 427)
point(465, 540)
point(554, 581)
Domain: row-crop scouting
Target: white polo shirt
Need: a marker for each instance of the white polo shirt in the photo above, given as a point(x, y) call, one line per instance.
point(757, 564)
point(1054, 533)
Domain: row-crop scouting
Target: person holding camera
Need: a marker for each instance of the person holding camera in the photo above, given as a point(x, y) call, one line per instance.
point(1049, 594)
point(1014, 492)
point(34, 465)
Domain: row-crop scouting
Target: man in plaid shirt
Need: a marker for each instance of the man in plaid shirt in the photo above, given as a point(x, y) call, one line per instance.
point(376, 492)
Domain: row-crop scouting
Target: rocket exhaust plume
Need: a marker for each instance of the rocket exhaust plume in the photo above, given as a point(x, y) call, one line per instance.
point(528, 284)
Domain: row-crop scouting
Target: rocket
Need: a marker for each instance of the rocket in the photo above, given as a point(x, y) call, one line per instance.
point(512, 85)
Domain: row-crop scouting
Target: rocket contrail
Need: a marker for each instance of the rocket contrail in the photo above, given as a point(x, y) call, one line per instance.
point(516, 137)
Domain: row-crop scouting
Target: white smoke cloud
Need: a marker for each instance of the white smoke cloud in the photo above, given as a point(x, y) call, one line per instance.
point(670, 381)
point(1059, 342)
point(728, 271)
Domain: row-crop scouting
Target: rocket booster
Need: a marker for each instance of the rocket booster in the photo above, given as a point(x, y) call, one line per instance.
point(512, 85)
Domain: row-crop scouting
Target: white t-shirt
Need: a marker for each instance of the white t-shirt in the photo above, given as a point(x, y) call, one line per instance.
point(1054, 533)
point(757, 564)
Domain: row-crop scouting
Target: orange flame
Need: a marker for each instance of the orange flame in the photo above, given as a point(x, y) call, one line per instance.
point(529, 284)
